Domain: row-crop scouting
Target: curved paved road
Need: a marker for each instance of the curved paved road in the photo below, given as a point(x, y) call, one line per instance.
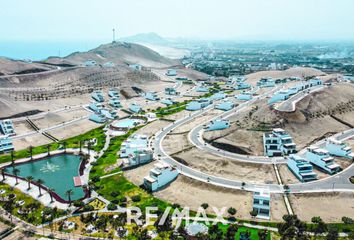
point(338, 182)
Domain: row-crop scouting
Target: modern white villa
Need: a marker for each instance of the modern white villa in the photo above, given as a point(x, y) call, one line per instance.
point(278, 143)
point(110, 114)
point(242, 85)
point(266, 82)
point(280, 96)
point(321, 159)
point(90, 63)
point(114, 102)
point(225, 106)
point(202, 89)
point(338, 148)
point(97, 96)
point(7, 127)
point(135, 108)
point(244, 96)
point(261, 204)
point(133, 144)
point(301, 168)
point(218, 96)
point(140, 157)
point(160, 176)
point(136, 67)
point(217, 124)
point(96, 106)
point(113, 93)
point(152, 96)
point(199, 104)
point(6, 144)
point(171, 91)
point(171, 72)
point(97, 118)
point(168, 101)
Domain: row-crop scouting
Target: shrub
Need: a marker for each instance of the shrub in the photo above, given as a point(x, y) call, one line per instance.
point(205, 205)
point(96, 179)
point(88, 208)
point(114, 194)
point(136, 198)
point(78, 203)
point(115, 201)
point(232, 211)
point(111, 207)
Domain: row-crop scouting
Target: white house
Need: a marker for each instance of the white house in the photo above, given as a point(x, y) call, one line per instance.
point(321, 158)
point(261, 204)
point(338, 148)
point(161, 175)
point(7, 127)
point(218, 124)
point(6, 144)
point(301, 168)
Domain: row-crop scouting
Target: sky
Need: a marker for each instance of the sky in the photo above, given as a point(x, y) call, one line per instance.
point(93, 20)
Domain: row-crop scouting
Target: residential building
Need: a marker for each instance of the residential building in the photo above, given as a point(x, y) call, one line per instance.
point(278, 143)
point(109, 114)
point(133, 144)
point(135, 108)
point(279, 96)
point(218, 96)
point(261, 204)
point(171, 91)
point(202, 89)
point(97, 118)
point(168, 101)
point(97, 96)
point(90, 63)
point(338, 148)
point(6, 144)
point(7, 127)
point(114, 102)
point(96, 107)
point(171, 72)
point(242, 85)
point(113, 93)
point(140, 157)
point(315, 82)
point(199, 104)
point(152, 96)
point(160, 176)
point(244, 96)
point(182, 78)
point(218, 124)
point(225, 106)
point(301, 168)
point(136, 67)
point(266, 82)
point(321, 159)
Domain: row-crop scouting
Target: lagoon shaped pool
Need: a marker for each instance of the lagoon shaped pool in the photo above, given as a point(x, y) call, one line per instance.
point(56, 171)
point(127, 123)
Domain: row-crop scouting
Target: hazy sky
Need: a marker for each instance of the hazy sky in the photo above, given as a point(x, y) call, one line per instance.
point(206, 19)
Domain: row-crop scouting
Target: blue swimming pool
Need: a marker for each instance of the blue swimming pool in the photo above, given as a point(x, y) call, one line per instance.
point(127, 123)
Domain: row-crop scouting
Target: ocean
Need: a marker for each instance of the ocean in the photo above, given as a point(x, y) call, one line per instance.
point(40, 50)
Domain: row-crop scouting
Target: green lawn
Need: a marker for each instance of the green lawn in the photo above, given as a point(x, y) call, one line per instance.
point(252, 231)
point(73, 142)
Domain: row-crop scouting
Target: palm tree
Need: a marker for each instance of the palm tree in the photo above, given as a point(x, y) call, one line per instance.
point(64, 146)
point(3, 174)
point(12, 157)
point(30, 150)
point(80, 146)
point(48, 149)
point(50, 191)
point(16, 171)
point(88, 147)
point(29, 181)
point(69, 193)
point(40, 182)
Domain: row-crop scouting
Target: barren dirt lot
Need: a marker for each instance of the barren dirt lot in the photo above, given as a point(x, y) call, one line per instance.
point(74, 129)
point(331, 207)
point(153, 127)
point(34, 140)
point(255, 173)
point(174, 143)
point(191, 193)
point(286, 175)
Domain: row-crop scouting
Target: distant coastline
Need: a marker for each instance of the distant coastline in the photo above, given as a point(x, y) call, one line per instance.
point(39, 50)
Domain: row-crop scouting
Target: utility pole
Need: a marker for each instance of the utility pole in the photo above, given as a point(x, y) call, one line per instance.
point(114, 35)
